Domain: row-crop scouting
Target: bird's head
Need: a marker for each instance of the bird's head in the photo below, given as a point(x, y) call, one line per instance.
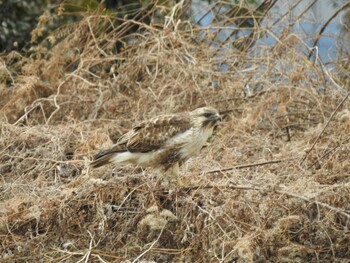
point(206, 117)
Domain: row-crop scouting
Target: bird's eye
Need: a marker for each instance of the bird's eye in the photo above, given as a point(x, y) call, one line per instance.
point(207, 114)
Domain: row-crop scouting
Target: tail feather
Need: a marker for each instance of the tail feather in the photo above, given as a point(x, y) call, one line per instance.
point(104, 157)
point(112, 156)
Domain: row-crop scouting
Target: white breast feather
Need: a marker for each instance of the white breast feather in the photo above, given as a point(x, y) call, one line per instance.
point(192, 141)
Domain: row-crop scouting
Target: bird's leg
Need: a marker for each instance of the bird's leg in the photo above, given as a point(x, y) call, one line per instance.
point(172, 176)
point(175, 171)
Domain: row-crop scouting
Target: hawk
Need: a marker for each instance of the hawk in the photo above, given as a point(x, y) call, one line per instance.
point(165, 141)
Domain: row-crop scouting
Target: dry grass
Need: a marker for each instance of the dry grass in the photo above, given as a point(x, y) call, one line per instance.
point(272, 186)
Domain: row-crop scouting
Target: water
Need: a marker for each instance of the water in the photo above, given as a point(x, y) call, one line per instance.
point(333, 43)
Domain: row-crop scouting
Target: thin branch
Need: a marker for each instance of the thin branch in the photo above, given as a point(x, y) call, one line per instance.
point(243, 166)
point(324, 205)
point(231, 186)
point(328, 152)
point(326, 24)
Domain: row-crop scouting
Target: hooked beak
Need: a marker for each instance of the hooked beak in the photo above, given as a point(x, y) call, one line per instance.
point(215, 118)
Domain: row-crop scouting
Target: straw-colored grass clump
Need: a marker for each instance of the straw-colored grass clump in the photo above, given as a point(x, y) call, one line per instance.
point(273, 184)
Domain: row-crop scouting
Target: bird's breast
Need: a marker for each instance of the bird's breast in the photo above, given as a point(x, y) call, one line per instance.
point(178, 149)
point(196, 140)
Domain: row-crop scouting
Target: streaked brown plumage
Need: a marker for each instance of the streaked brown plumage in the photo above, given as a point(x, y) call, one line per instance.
point(165, 141)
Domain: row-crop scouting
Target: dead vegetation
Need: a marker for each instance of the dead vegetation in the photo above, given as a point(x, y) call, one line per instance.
point(273, 185)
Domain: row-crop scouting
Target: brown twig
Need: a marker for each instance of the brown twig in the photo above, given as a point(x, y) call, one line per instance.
point(230, 186)
point(324, 205)
point(243, 166)
point(328, 152)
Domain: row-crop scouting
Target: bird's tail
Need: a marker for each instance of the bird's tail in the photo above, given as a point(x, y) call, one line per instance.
point(111, 156)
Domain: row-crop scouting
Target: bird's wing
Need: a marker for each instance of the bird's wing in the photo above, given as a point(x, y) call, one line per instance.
point(153, 134)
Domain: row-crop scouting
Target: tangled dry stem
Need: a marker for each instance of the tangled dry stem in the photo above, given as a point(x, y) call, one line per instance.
point(247, 197)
